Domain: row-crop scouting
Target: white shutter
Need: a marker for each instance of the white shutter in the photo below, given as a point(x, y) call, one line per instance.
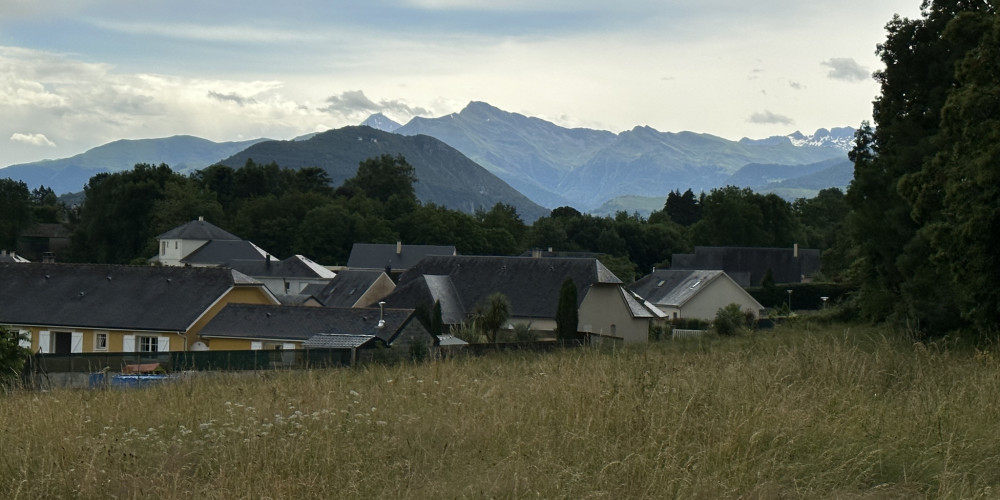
point(44, 342)
point(288, 346)
point(25, 339)
point(163, 344)
point(77, 345)
point(128, 343)
point(256, 346)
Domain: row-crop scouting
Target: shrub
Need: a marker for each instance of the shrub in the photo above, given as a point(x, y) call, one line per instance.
point(731, 320)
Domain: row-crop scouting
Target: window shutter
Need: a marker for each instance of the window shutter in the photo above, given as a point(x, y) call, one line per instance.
point(163, 344)
point(288, 345)
point(25, 340)
point(256, 346)
point(77, 345)
point(44, 342)
point(128, 343)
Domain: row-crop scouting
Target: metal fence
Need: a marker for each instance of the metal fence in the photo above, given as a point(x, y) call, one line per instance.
point(193, 360)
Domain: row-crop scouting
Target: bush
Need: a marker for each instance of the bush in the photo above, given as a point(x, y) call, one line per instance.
point(12, 356)
point(731, 320)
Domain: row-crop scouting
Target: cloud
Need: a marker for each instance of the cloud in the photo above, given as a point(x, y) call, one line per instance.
point(232, 97)
point(32, 139)
point(356, 103)
point(769, 118)
point(796, 85)
point(213, 33)
point(847, 69)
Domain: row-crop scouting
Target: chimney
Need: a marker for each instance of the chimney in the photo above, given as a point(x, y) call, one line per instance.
point(267, 261)
point(536, 253)
point(201, 218)
point(399, 248)
point(795, 250)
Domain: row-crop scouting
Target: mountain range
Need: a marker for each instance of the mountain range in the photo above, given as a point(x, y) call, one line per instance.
point(473, 158)
point(66, 175)
point(584, 168)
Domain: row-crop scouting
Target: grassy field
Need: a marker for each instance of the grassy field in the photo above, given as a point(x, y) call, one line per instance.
point(798, 412)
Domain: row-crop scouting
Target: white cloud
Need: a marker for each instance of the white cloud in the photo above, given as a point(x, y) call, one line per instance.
point(767, 118)
point(213, 33)
point(847, 69)
point(32, 139)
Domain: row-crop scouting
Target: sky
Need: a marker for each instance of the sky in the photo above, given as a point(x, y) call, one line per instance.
point(76, 74)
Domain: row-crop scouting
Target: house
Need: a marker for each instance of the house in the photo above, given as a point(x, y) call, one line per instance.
point(256, 327)
point(398, 257)
point(11, 257)
point(82, 308)
point(44, 241)
point(693, 294)
point(202, 244)
point(353, 288)
point(749, 265)
point(531, 285)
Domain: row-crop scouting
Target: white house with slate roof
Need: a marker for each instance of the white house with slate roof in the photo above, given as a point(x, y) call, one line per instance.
point(202, 244)
point(531, 285)
point(694, 294)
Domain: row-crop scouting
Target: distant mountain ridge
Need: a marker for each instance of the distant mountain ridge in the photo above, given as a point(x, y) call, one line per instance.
point(555, 166)
point(444, 175)
point(182, 152)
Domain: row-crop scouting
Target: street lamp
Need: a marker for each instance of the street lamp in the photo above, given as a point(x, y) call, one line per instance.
point(789, 301)
point(824, 299)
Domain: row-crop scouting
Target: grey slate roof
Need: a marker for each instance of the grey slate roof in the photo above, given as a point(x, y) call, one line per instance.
point(252, 321)
point(339, 341)
point(110, 296)
point(295, 266)
point(530, 284)
point(672, 287)
point(197, 230)
point(224, 252)
point(748, 265)
point(345, 289)
point(377, 256)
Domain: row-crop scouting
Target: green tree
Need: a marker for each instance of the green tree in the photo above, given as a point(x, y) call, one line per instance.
point(567, 314)
point(12, 356)
point(493, 315)
point(897, 187)
point(114, 223)
point(954, 195)
point(383, 177)
point(15, 212)
point(731, 320)
point(683, 209)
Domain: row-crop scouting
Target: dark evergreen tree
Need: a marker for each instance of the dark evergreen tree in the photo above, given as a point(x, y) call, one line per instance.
point(567, 314)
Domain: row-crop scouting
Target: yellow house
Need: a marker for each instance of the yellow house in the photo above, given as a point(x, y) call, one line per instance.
point(95, 308)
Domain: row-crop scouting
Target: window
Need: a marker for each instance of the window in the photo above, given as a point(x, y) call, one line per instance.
point(100, 341)
point(163, 248)
point(148, 344)
point(175, 245)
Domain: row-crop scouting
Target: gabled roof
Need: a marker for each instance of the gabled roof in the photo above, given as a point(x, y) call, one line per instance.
point(339, 341)
point(378, 256)
point(640, 308)
point(197, 230)
point(530, 284)
point(346, 288)
point(670, 287)
point(295, 266)
point(111, 296)
point(225, 252)
point(12, 257)
point(252, 321)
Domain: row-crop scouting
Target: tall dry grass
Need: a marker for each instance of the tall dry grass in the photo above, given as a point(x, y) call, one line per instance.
point(798, 412)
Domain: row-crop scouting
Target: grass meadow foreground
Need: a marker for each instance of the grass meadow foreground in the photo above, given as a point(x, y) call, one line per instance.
point(798, 412)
